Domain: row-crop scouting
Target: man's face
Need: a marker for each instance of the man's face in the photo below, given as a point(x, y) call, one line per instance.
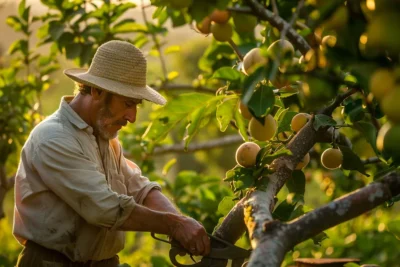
point(116, 112)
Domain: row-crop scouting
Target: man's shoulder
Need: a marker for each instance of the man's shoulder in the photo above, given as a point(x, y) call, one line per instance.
point(53, 126)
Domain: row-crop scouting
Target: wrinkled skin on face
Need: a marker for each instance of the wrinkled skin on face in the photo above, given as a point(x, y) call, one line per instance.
point(115, 113)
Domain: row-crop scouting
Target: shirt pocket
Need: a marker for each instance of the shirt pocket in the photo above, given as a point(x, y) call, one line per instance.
point(116, 182)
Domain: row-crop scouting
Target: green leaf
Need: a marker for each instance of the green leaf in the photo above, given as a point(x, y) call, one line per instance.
point(15, 23)
point(127, 26)
point(226, 205)
point(297, 184)
point(21, 8)
point(351, 264)
point(158, 12)
point(394, 228)
point(250, 82)
point(319, 238)
point(284, 210)
point(262, 101)
point(351, 161)
point(172, 49)
point(267, 159)
point(321, 120)
point(241, 124)
point(225, 112)
point(368, 130)
point(73, 50)
point(175, 111)
point(227, 74)
point(19, 45)
point(56, 29)
point(236, 173)
point(285, 120)
point(168, 166)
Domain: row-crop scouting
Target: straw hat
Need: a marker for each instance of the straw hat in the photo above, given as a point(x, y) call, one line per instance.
point(120, 68)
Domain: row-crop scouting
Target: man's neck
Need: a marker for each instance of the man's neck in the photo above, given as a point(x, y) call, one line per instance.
point(82, 106)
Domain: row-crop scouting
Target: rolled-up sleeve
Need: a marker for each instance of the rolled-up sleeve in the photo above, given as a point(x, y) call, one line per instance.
point(137, 185)
point(70, 174)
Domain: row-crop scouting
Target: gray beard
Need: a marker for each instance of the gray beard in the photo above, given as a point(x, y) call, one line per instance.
point(104, 113)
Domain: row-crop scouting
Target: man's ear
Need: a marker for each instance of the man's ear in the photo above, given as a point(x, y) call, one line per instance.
point(96, 93)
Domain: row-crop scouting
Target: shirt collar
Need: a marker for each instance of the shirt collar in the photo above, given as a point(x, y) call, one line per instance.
point(66, 110)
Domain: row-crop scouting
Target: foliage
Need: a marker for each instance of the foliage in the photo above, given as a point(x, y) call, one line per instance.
point(344, 50)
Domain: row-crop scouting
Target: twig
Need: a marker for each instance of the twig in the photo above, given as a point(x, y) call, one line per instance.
point(372, 160)
point(264, 14)
point(236, 49)
point(339, 99)
point(275, 7)
point(156, 43)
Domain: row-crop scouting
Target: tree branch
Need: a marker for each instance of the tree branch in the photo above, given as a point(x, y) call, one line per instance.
point(372, 160)
point(279, 23)
point(278, 238)
point(339, 99)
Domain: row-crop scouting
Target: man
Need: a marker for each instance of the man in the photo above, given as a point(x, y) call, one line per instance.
point(75, 193)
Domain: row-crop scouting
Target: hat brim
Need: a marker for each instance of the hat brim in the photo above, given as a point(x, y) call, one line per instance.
point(128, 90)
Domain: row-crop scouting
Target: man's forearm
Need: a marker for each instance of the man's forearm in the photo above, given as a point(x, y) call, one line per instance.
point(155, 200)
point(147, 220)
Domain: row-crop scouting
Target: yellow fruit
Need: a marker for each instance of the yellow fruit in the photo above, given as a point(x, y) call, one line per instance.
point(299, 120)
point(246, 154)
point(389, 139)
point(263, 132)
point(383, 34)
point(328, 41)
point(381, 82)
point(220, 16)
point(332, 158)
point(222, 32)
point(252, 60)
point(380, 144)
point(315, 60)
point(244, 110)
point(304, 162)
point(244, 23)
point(282, 49)
point(391, 106)
point(180, 3)
point(204, 26)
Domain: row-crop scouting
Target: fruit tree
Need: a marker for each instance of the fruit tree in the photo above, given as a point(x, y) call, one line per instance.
point(297, 86)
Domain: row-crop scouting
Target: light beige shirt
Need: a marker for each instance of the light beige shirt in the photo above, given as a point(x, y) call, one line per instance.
point(71, 192)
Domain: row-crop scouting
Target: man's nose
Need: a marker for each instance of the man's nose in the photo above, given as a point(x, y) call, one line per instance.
point(130, 114)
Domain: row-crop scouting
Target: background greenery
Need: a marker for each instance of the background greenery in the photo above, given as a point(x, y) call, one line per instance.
point(51, 39)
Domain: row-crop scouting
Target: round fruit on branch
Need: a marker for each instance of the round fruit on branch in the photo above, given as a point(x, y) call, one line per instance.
point(390, 105)
point(244, 110)
point(246, 154)
point(204, 26)
point(222, 32)
point(244, 23)
point(262, 132)
point(220, 16)
point(382, 82)
point(304, 162)
point(388, 139)
point(252, 60)
point(299, 120)
point(332, 158)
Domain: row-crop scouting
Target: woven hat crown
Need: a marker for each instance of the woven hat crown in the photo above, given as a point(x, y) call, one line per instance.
point(120, 61)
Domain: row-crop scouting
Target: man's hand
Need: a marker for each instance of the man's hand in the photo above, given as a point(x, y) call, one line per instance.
point(190, 234)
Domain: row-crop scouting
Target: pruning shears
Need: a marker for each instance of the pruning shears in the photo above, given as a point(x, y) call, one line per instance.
point(217, 257)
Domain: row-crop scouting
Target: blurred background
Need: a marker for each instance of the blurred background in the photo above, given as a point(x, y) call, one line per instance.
point(193, 180)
